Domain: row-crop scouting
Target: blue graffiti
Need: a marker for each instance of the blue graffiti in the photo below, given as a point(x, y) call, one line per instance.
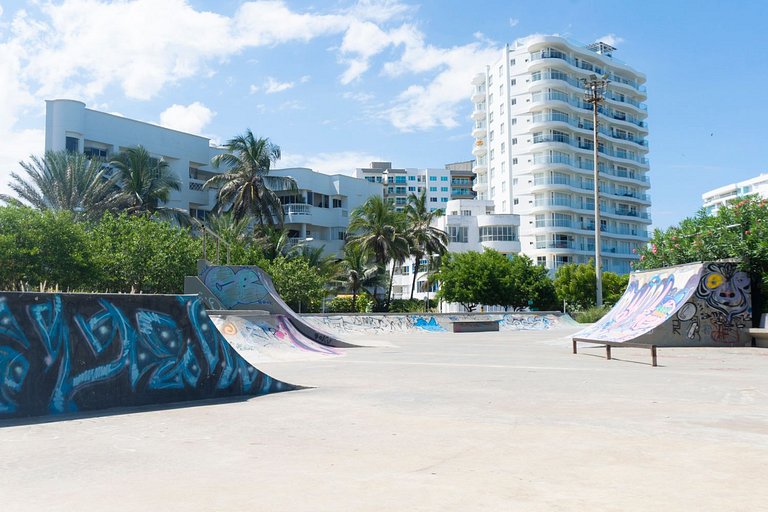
point(427, 325)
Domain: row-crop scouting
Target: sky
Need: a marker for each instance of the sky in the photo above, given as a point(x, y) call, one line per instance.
point(339, 83)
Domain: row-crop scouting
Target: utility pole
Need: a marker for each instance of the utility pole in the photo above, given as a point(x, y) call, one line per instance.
point(594, 92)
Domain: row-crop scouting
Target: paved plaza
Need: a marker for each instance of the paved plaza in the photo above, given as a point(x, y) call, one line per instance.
point(501, 421)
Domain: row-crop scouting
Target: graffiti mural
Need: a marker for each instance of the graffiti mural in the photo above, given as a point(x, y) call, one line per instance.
point(270, 338)
point(236, 286)
point(63, 353)
point(697, 304)
point(722, 311)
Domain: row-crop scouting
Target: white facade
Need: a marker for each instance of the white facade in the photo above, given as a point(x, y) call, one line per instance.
point(320, 210)
point(317, 214)
point(533, 149)
point(471, 225)
point(441, 185)
point(69, 125)
point(714, 199)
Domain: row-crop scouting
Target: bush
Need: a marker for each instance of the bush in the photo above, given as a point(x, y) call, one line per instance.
point(410, 305)
point(591, 315)
point(343, 304)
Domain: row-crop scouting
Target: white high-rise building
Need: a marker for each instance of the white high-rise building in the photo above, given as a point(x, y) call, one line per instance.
point(534, 150)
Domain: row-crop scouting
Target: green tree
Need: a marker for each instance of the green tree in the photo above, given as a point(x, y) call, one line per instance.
point(738, 230)
point(64, 181)
point(134, 253)
point(379, 230)
point(576, 284)
point(425, 239)
point(246, 187)
point(473, 278)
point(145, 183)
point(357, 270)
point(529, 285)
point(43, 247)
point(300, 285)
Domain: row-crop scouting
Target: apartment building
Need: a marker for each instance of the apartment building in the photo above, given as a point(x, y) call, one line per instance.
point(441, 185)
point(713, 199)
point(533, 149)
point(317, 214)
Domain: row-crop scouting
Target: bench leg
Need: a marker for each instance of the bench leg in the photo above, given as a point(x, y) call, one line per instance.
point(608, 352)
point(653, 354)
point(574, 346)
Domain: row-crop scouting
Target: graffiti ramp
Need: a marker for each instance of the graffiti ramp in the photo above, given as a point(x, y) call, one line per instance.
point(263, 337)
point(698, 304)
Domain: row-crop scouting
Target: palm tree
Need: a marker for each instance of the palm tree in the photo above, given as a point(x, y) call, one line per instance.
point(246, 188)
point(275, 242)
point(425, 239)
point(229, 229)
point(357, 270)
point(146, 182)
point(64, 181)
point(379, 230)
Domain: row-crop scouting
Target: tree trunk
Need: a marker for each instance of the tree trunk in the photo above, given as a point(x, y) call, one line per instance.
point(416, 267)
point(391, 279)
point(354, 299)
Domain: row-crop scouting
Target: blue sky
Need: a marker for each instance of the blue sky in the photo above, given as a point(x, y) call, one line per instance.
point(340, 83)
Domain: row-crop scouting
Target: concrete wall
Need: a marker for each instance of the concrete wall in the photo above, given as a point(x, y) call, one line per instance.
point(64, 353)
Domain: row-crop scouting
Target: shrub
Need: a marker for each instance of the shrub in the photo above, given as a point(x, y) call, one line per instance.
point(343, 304)
point(591, 315)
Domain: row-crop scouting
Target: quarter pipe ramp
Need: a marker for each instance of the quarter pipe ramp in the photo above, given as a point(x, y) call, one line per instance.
point(64, 353)
point(699, 304)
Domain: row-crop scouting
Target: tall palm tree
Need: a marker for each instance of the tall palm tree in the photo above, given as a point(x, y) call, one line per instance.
point(146, 182)
point(379, 230)
point(246, 188)
point(425, 239)
point(64, 181)
point(357, 271)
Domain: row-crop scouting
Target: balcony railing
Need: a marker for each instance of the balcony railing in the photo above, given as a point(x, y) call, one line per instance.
point(565, 139)
point(588, 66)
point(587, 125)
point(577, 205)
point(297, 209)
point(605, 111)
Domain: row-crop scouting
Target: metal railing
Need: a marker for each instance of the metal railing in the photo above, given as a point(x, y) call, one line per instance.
point(219, 242)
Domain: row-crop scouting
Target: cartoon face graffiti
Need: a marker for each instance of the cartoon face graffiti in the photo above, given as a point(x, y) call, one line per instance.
point(725, 289)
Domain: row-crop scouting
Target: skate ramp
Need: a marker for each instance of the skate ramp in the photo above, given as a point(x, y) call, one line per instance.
point(372, 324)
point(699, 304)
point(67, 353)
point(250, 288)
point(264, 337)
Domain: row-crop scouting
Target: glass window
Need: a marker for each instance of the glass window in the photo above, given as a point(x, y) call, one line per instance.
point(432, 199)
point(443, 189)
point(433, 178)
point(443, 178)
point(458, 234)
point(433, 189)
point(498, 234)
point(443, 199)
point(71, 144)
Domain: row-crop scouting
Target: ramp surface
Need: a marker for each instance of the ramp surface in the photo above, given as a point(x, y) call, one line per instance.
point(249, 287)
point(699, 304)
point(267, 337)
point(64, 353)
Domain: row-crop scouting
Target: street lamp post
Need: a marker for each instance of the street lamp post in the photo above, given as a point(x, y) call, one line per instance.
point(594, 91)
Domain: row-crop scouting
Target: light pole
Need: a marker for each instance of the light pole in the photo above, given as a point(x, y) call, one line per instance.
point(594, 91)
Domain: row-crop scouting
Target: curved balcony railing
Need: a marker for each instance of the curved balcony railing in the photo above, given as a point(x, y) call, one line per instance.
point(589, 186)
point(579, 103)
point(576, 205)
point(565, 139)
point(586, 125)
point(588, 226)
point(587, 66)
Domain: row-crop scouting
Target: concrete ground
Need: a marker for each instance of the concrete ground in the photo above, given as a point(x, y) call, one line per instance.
point(494, 422)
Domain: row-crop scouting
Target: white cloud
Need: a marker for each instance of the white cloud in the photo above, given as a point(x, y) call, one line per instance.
point(362, 97)
point(191, 118)
point(304, 79)
point(610, 39)
point(344, 162)
point(271, 86)
point(513, 22)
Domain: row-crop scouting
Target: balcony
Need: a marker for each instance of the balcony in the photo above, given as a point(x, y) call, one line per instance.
point(479, 112)
point(615, 153)
point(586, 66)
point(479, 149)
point(297, 209)
point(577, 102)
point(478, 95)
point(556, 117)
point(588, 227)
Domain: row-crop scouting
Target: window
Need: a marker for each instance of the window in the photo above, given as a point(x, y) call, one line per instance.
point(493, 154)
point(503, 147)
point(443, 178)
point(498, 234)
point(513, 141)
point(541, 260)
point(512, 62)
point(493, 192)
point(443, 189)
point(490, 116)
point(411, 178)
point(71, 144)
point(501, 129)
point(341, 234)
point(513, 121)
point(433, 178)
point(503, 186)
point(501, 109)
point(513, 82)
point(490, 99)
point(503, 167)
point(491, 135)
point(493, 172)
point(516, 201)
point(503, 206)
point(513, 101)
point(432, 199)
point(399, 179)
point(457, 234)
point(443, 199)
point(466, 213)
point(514, 161)
point(337, 203)
point(501, 89)
point(411, 189)
point(501, 69)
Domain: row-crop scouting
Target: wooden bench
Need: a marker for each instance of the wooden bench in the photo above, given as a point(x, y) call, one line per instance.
point(609, 344)
point(475, 326)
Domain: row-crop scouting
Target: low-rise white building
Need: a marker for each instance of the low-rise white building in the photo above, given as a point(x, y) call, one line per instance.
point(318, 212)
point(714, 199)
